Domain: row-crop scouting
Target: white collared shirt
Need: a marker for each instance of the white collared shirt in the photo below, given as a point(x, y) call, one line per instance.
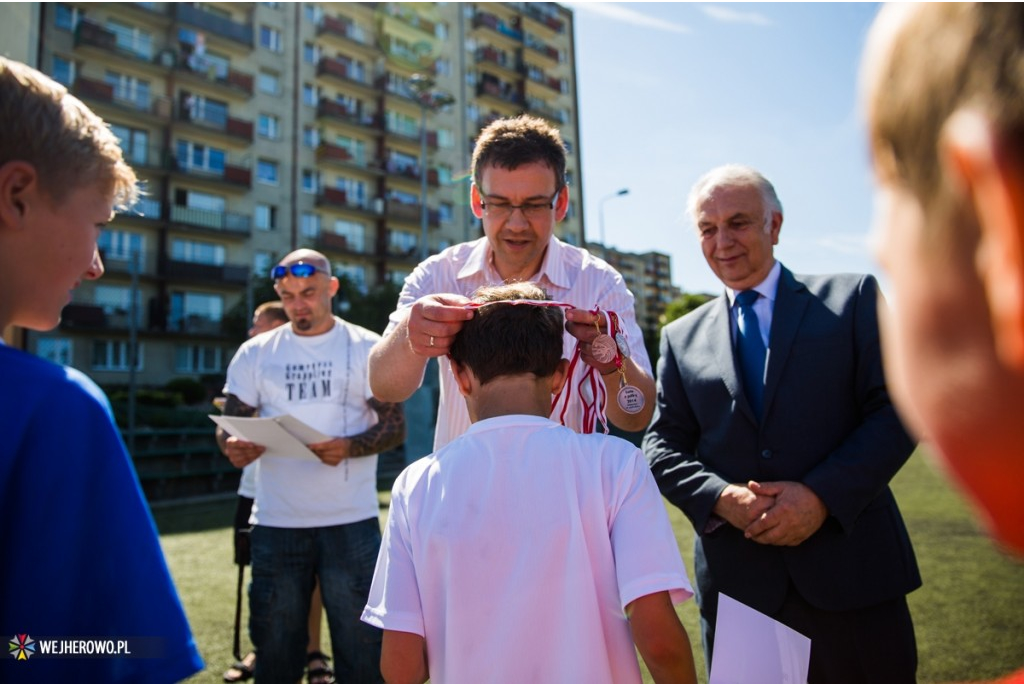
point(763, 306)
point(568, 274)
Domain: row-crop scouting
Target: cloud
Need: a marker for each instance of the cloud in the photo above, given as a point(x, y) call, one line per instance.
point(728, 14)
point(623, 14)
point(845, 243)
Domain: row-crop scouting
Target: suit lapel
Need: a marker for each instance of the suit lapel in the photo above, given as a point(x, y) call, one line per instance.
point(791, 300)
point(720, 341)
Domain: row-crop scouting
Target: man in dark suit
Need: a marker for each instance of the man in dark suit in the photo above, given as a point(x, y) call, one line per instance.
point(774, 433)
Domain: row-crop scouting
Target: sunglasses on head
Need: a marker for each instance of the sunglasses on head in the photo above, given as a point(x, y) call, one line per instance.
point(298, 269)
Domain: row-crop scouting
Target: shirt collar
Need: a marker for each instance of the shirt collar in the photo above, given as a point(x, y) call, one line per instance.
point(552, 267)
point(766, 288)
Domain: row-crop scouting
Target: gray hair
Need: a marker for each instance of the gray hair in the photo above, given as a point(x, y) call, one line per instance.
point(730, 175)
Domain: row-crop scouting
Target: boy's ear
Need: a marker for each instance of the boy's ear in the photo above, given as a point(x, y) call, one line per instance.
point(559, 377)
point(990, 173)
point(17, 179)
point(463, 376)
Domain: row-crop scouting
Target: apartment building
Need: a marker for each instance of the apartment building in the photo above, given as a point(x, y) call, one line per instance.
point(258, 128)
point(648, 276)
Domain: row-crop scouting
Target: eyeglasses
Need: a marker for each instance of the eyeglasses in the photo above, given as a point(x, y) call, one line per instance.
point(298, 269)
point(530, 210)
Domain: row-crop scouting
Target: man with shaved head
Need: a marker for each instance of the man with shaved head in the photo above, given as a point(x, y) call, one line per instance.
point(312, 518)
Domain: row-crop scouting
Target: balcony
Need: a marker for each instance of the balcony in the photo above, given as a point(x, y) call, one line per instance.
point(411, 213)
point(235, 274)
point(338, 243)
point(410, 17)
point(501, 90)
point(340, 69)
point(329, 109)
point(224, 222)
point(195, 324)
point(98, 91)
point(491, 55)
point(214, 119)
point(90, 33)
point(334, 26)
point(492, 22)
point(335, 197)
point(541, 48)
point(411, 171)
point(537, 76)
point(541, 108)
point(414, 137)
point(81, 315)
point(230, 174)
point(226, 28)
point(546, 18)
point(197, 67)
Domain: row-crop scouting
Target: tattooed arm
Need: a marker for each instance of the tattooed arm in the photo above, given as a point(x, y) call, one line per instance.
point(239, 452)
point(388, 432)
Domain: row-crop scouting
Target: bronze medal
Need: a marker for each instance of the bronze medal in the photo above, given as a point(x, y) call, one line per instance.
point(603, 349)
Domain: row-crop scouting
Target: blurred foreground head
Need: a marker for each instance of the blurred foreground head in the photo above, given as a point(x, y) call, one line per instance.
point(944, 97)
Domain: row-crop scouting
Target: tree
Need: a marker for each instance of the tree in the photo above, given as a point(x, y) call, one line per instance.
point(684, 305)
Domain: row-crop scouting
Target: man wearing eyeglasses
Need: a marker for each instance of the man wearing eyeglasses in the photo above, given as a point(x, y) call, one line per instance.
point(519, 193)
point(312, 518)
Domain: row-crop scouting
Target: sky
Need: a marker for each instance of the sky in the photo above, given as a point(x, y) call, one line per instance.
point(668, 91)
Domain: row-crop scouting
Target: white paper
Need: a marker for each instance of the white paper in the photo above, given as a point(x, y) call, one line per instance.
point(283, 436)
point(751, 647)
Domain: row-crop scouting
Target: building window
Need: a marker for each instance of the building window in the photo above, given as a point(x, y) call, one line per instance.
point(265, 217)
point(197, 252)
point(120, 245)
point(114, 355)
point(268, 83)
point(354, 234)
point(310, 53)
point(270, 39)
point(269, 127)
point(129, 89)
point(308, 95)
point(445, 139)
point(355, 273)
point(197, 359)
point(310, 225)
point(66, 17)
point(56, 350)
point(63, 71)
point(116, 302)
point(310, 181)
point(134, 143)
point(266, 172)
point(197, 157)
point(445, 212)
point(196, 312)
point(261, 263)
point(310, 136)
point(131, 39)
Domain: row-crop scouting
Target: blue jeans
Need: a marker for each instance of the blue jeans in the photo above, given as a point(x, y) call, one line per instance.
point(285, 562)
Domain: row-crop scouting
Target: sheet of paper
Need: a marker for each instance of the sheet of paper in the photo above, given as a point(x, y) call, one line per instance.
point(303, 432)
point(270, 433)
point(753, 648)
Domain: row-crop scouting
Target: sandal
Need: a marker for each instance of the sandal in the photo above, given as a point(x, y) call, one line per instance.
point(318, 669)
point(241, 671)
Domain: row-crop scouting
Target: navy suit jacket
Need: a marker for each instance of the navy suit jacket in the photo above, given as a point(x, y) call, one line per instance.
point(827, 423)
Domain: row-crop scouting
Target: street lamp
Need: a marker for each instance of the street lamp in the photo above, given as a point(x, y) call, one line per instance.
point(429, 98)
point(600, 216)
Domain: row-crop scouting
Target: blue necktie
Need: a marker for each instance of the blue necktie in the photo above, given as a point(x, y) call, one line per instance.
point(751, 349)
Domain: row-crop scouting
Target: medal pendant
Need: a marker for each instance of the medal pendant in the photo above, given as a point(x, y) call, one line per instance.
point(603, 349)
point(630, 399)
point(620, 340)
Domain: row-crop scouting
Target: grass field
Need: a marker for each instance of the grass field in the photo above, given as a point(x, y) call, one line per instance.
point(968, 615)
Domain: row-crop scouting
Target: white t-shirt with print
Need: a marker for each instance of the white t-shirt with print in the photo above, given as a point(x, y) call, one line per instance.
point(515, 549)
point(322, 381)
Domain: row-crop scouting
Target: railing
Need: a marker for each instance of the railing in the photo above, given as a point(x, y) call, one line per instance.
point(230, 222)
point(227, 28)
point(221, 273)
point(90, 89)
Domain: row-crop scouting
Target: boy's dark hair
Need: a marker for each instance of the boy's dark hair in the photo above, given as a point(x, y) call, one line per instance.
point(511, 143)
point(507, 340)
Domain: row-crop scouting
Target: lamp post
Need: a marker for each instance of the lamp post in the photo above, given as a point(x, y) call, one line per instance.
point(432, 99)
point(600, 216)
